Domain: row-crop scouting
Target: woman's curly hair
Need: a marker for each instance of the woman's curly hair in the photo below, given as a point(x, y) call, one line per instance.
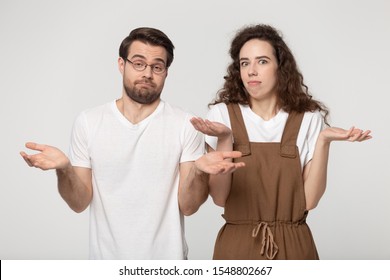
point(293, 94)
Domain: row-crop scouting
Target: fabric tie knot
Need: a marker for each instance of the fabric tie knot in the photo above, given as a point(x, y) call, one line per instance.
point(268, 244)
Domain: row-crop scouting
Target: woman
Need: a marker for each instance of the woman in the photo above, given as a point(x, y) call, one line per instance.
point(265, 111)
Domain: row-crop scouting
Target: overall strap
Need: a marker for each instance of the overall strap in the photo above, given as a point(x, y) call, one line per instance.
point(240, 135)
point(288, 146)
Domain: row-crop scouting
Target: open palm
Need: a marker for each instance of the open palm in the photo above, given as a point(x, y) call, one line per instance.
point(339, 134)
point(48, 157)
point(211, 128)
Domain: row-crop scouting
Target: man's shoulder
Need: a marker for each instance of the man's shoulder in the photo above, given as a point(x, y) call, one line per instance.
point(98, 109)
point(94, 114)
point(176, 111)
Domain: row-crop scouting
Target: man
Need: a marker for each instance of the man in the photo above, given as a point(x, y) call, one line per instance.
point(136, 161)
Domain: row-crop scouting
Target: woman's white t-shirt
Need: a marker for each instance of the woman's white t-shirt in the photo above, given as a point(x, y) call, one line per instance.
point(260, 130)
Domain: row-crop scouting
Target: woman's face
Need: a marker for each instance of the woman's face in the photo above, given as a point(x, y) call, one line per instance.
point(258, 68)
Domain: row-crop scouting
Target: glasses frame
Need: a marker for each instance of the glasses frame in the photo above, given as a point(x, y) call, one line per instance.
point(146, 65)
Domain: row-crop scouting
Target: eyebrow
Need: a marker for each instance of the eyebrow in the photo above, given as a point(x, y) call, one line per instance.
point(257, 57)
point(144, 58)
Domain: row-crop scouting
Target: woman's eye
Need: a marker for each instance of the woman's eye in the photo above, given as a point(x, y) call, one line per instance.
point(263, 61)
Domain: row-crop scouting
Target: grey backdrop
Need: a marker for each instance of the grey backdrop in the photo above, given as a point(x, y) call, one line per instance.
point(58, 58)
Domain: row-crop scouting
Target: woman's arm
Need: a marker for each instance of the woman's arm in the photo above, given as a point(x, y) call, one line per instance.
point(219, 184)
point(315, 172)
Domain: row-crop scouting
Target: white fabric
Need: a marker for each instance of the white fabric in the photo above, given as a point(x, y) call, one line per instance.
point(260, 130)
point(134, 213)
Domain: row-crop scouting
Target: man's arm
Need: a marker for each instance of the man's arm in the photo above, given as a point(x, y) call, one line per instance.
point(220, 184)
point(194, 178)
point(74, 183)
point(75, 187)
point(193, 188)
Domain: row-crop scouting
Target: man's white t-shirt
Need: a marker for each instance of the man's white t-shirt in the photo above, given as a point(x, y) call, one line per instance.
point(134, 213)
point(260, 130)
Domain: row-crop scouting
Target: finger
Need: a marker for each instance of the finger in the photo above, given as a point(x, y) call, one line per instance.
point(195, 125)
point(365, 136)
point(35, 146)
point(231, 154)
point(209, 123)
point(361, 139)
point(194, 121)
point(355, 135)
point(199, 123)
point(350, 132)
point(38, 162)
point(193, 118)
point(231, 167)
point(226, 167)
point(198, 126)
point(217, 170)
point(211, 128)
point(26, 159)
point(366, 133)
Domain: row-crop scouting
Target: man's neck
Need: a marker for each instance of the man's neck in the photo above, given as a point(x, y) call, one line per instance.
point(135, 112)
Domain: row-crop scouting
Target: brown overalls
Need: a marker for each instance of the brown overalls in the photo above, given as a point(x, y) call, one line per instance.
point(265, 211)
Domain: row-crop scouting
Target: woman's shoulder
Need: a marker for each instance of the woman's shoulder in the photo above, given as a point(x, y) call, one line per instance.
point(314, 116)
point(313, 119)
point(218, 113)
point(219, 108)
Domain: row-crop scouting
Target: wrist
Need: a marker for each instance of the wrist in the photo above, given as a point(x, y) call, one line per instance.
point(225, 141)
point(323, 141)
point(64, 168)
point(198, 171)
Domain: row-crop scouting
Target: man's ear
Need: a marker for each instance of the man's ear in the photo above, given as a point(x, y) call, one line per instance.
point(121, 65)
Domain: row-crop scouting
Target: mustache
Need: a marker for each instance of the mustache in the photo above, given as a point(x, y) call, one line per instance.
point(144, 81)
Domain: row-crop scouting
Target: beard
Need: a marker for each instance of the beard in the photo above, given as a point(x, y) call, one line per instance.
point(142, 95)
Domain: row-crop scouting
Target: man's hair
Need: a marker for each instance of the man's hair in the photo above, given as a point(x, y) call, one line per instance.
point(149, 36)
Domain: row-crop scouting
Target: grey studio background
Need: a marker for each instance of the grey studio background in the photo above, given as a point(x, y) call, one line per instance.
point(58, 58)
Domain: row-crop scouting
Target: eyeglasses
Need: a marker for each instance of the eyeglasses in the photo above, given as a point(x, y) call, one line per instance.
point(139, 65)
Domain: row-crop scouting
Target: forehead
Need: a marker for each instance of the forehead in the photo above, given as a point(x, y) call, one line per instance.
point(147, 51)
point(256, 48)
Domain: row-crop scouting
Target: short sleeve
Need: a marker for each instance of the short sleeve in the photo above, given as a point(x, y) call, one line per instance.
point(193, 142)
point(78, 151)
point(315, 127)
point(217, 113)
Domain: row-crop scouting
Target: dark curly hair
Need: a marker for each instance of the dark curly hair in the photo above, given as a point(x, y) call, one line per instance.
point(293, 94)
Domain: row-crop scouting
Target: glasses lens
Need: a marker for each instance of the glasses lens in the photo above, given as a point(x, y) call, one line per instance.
point(158, 68)
point(139, 65)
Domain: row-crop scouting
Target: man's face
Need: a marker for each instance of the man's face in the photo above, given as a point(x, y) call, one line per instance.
point(143, 86)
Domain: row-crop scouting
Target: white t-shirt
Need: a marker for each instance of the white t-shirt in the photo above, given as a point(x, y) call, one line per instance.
point(260, 130)
point(134, 213)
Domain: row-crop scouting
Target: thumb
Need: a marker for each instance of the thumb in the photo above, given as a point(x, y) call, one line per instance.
point(35, 146)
